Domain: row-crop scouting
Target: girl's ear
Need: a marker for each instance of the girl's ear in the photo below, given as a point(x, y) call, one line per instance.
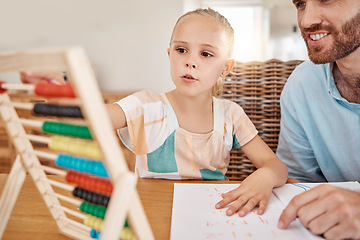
point(228, 67)
point(168, 50)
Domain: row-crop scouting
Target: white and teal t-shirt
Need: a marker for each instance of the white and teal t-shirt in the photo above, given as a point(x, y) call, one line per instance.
point(165, 150)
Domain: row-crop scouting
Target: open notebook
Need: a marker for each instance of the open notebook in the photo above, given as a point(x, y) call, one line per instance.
point(194, 215)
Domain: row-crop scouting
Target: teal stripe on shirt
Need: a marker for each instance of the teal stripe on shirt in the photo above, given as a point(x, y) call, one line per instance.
point(236, 143)
point(162, 160)
point(207, 174)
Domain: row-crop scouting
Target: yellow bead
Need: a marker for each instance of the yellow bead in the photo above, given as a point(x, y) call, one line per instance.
point(127, 234)
point(75, 146)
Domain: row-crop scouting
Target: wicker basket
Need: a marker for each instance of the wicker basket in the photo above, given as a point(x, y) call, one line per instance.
point(256, 87)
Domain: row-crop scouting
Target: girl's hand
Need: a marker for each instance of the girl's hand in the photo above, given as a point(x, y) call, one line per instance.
point(254, 191)
point(34, 77)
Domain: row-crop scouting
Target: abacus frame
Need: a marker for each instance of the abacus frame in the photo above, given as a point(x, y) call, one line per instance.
point(124, 199)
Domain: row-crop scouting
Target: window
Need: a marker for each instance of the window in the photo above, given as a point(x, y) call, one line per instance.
point(264, 29)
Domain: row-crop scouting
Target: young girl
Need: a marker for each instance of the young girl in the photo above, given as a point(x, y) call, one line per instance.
point(188, 133)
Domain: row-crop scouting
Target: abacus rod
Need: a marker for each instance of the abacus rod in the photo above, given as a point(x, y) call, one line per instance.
point(54, 170)
point(75, 232)
point(67, 199)
point(14, 86)
point(31, 123)
point(36, 138)
point(76, 223)
point(72, 212)
point(39, 123)
point(46, 155)
point(26, 106)
point(60, 185)
point(30, 106)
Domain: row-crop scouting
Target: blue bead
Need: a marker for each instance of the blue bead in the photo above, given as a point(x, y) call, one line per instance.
point(82, 165)
point(93, 233)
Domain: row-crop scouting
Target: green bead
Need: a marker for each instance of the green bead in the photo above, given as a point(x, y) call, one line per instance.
point(67, 129)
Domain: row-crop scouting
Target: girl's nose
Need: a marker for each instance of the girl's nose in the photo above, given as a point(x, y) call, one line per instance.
point(191, 65)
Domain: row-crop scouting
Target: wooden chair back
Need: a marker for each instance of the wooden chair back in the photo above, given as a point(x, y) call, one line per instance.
point(256, 87)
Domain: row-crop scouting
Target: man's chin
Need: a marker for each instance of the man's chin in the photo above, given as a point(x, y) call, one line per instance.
point(318, 57)
point(319, 61)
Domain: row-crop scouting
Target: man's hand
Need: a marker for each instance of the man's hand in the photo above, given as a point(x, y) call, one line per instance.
point(328, 210)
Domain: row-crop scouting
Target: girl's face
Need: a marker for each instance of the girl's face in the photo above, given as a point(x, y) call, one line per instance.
point(198, 54)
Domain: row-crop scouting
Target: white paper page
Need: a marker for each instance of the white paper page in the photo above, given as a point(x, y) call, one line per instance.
point(288, 191)
point(194, 216)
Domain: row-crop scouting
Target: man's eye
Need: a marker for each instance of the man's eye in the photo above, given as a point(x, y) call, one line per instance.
point(206, 54)
point(181, 50)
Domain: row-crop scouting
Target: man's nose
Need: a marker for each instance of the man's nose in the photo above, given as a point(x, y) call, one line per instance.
point(311, 16)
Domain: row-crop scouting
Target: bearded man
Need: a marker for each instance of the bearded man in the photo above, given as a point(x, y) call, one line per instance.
point(320, 119)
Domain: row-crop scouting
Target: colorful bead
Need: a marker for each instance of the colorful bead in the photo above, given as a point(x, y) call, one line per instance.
point(66, 129)
point(57, 110)
point(95, 210)
point(48, 89)
point(83, 147)
point(93, 197)
point(89, 182)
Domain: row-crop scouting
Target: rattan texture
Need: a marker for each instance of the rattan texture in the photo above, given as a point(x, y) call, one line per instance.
point(256, 87)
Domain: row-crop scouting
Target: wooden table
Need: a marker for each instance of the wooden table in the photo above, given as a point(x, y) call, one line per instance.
point(30, 219)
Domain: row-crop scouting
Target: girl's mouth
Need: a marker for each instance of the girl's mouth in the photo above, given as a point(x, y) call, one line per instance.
point(188, 78)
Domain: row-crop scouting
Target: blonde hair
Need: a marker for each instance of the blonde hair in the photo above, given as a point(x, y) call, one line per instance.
point(217, 89)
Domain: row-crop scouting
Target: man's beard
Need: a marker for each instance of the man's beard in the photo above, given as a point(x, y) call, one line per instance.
point(345, 42)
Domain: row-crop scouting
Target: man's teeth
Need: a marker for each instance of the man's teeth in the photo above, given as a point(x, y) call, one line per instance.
point(316, 37)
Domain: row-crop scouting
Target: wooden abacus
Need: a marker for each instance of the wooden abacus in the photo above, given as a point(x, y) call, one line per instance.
point(89, 140)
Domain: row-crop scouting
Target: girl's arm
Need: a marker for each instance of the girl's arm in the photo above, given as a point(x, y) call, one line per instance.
point(116, 115)
point(256, 189)
point(263, 157)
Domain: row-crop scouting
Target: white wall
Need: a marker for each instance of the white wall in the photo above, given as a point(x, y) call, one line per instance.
point(284, 42)
point(126, 41)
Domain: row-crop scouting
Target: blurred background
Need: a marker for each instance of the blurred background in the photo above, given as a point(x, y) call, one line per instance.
point(127, 41)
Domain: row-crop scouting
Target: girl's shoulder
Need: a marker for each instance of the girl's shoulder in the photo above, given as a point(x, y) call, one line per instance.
point(145, 98)
point(143, 101)
point(229, 107)
point(148, 96)
point(229, 112)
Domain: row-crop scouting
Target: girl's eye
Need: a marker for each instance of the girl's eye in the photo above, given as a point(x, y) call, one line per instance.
point(300, 4)
point(181, 50)
point(206, 54)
